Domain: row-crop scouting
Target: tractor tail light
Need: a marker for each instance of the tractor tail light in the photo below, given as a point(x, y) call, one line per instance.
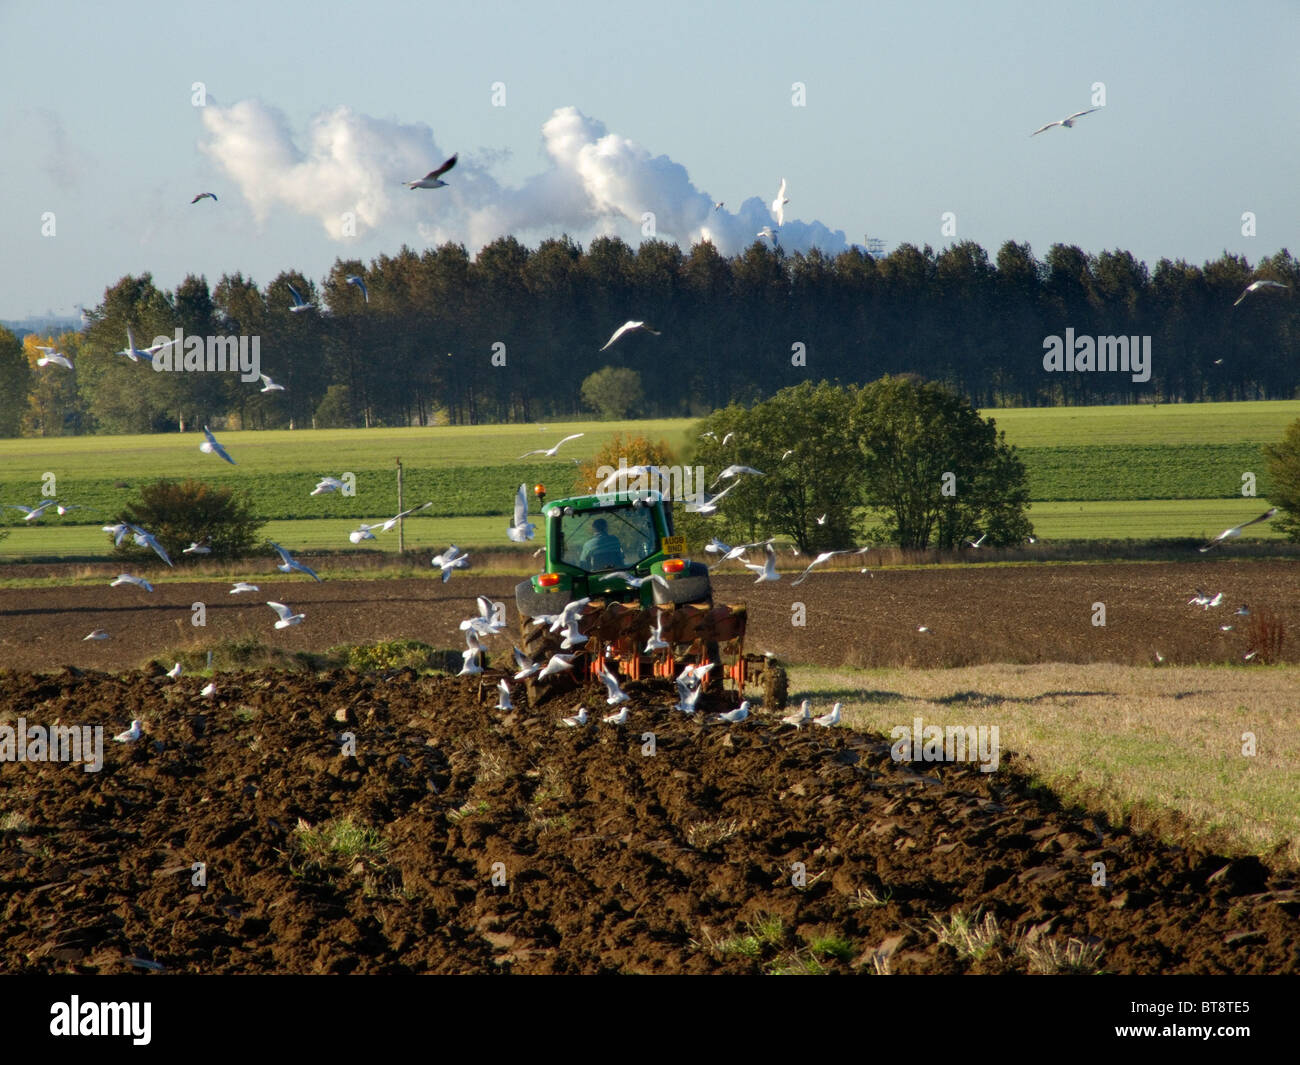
point(674, 565)
point(549, 580)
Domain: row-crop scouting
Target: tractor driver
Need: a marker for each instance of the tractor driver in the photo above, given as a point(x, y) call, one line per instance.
point(602, 550)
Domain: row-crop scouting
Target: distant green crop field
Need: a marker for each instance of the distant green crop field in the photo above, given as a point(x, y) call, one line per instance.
point(1141, 423)
point(1149, 519)
point(1143, 471)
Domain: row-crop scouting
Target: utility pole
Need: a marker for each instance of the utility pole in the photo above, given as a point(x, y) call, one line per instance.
point(401, 506)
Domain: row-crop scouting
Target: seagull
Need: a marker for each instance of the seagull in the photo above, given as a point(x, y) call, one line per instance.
point(788, 453)
point(717, 547)
point(687, 697)
point(629, 327)
point(287, 616)
point(299, 304)
point(737, 715)
point(63, 508)
point(471, 665)
point(175, 671)
point(290, 564)
point(327, 485)
point(827, 720)
point(767, 571)
point(572, 636)
point(635, 582)
point(136, 354)
point(823, 557)
point(243, 586)
point(52, 356)
point(353, 279)
point(552, 450)
point(726, 438)
point(208, 691)
point(205, 196)
point(1159, 658)
point(626, 473)
point(1243, 612)
point(580, 718)
point(211, 447)
point(33, 513)
point(127, 578)
point(557, 664)
point(737, 552)
point(736, 471)
point(1066, 123)
point(431, 179)
point(799, 718)
point(527, 667)
point(98, 634)
point(766, 231)
point(710, 504)
point(1255, 286)
point(146, 539)
point(521, 529)
point(367, 532)
point(976, 543)
point(199, 547)
point(616, 694)
point(778, 205)
point(821, 520)
point(130, 735)
point(1202, 600)
point(656, 642)
point(119, 532)
point(923, 628)
point(504, 702)
point(268, 385)
point(616, 719)
point(718, 206)
point(449, 560)
point(1235, 531)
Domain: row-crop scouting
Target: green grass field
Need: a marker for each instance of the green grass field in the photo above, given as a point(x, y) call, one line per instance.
point(1134, 472)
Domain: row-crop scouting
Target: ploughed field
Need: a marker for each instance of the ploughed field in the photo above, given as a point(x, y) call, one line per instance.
point(460, 838)
point(973, 614)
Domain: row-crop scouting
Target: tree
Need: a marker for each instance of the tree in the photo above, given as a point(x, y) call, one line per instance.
point(1284, 476)
point(613, 392)
point(178, 514)
point(625, 450)
point(810, 465)
point(15, 380)
point(935, 470)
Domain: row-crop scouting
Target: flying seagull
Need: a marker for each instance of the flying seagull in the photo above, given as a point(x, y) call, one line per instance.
point(718, 206)
point(504, 703)
point(127, 578)
point(778, 205)
point(243, 586)
point(98, 634)
point(767, 571)
point(1235, 531)
point(552, 450)
point(146, 539)
point(199, 547)
point(1255, 286)
point(353, 279)
point(268, 385)
point(521, 528)
point(299, 304)
point(136, 354)
point(449, 560)
point(1065, 123)
point(287, 616)
point(825, 556)
point(33, 513)
point(629, 327)
point(205, 196)
point(52, 356)
point(616, 694)
point(736, 471)
point(367, 532)
point(710, 504)
point(558, 664)
point(767, 232)
point(327, 485)
point(290, 564)
point(431, 179)
point(211, 447)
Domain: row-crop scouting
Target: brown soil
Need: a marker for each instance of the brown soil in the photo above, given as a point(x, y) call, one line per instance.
point(975, 614)
point(613, 860)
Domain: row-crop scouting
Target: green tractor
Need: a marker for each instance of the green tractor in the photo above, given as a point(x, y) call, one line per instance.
point(648, 609)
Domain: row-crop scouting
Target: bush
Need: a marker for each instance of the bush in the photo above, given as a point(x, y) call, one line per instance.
point(178, 514)
point(613, 392)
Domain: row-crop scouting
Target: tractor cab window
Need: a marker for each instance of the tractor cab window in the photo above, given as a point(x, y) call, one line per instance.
point(616, 538)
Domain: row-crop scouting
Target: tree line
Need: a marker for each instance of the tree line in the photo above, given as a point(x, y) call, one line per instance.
point(511, 333)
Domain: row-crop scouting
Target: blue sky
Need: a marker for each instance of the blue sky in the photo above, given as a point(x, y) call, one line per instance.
point(912, 110)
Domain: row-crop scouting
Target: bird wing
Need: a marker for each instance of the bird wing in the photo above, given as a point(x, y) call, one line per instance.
point(442, 169)
point(1079, 114)
point(619, 332)
point(1041, 128)
point(568, 438)
point(284, 612)
point(307, 570)
point(521, 506)
point(535, 451)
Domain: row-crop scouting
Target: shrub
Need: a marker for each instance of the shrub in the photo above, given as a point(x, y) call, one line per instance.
point(178, 514)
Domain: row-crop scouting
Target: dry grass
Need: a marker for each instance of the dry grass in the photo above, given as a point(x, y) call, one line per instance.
point(1137, 744)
